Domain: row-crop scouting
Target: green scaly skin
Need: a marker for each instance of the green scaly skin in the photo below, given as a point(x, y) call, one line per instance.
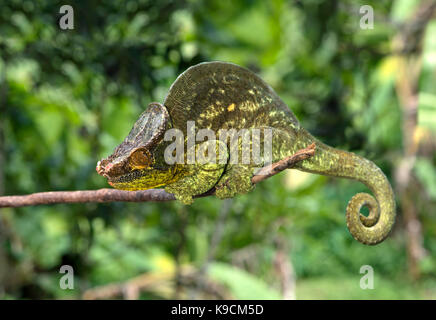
point(220, 95)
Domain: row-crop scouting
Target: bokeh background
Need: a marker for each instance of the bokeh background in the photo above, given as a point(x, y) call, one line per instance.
point(67, 98)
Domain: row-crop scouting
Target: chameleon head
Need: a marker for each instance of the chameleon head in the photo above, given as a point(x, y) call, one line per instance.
point(136, 163)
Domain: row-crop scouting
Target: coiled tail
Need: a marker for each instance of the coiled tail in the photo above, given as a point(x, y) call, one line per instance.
point(374, 228)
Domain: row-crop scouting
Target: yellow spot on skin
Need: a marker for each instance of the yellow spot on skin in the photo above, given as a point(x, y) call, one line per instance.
point(231, 107)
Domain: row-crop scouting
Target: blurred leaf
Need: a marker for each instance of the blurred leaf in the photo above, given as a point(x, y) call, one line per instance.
point(241, 284)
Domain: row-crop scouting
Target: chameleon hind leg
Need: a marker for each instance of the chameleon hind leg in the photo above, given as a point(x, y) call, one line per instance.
point(203, 174)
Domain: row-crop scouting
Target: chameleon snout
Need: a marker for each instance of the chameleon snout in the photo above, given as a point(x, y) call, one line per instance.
point(101, 169)
point(112, 170)
point(105, 168)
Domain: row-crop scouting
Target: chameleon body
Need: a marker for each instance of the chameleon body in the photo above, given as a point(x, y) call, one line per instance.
point(219, 95)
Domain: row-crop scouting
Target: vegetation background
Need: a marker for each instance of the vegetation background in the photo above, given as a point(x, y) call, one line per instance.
point(68, 97)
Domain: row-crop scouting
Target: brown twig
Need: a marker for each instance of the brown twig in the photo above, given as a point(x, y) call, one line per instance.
point(156, 195)
point(284, 164)
point(159, 283)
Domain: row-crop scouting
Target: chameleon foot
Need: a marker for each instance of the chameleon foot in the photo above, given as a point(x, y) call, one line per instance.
point(202, 176)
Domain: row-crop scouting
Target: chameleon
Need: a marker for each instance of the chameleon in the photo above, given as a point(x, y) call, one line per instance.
point(224, 96)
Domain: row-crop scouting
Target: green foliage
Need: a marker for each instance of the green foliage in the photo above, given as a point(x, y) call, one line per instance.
point(386, 289)
point(67, 98)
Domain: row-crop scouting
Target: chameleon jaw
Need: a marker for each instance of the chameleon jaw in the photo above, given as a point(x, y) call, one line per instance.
point(145, 179)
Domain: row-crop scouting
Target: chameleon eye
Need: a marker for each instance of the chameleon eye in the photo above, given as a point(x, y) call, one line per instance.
point(140, 159)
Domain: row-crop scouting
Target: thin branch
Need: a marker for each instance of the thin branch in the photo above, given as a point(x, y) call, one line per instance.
point(158, 283)
point(284, 164)
point(155, 195)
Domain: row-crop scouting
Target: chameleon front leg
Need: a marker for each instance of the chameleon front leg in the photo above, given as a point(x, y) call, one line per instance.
point(237, 178)
point(202, 176)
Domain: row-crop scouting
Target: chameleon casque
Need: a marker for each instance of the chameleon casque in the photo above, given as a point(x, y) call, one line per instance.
point(220, 95)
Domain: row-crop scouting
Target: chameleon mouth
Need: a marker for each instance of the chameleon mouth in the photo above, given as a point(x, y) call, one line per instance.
point(120, 177)
point(127, 177)
point(116, 172)
point(143, 179)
